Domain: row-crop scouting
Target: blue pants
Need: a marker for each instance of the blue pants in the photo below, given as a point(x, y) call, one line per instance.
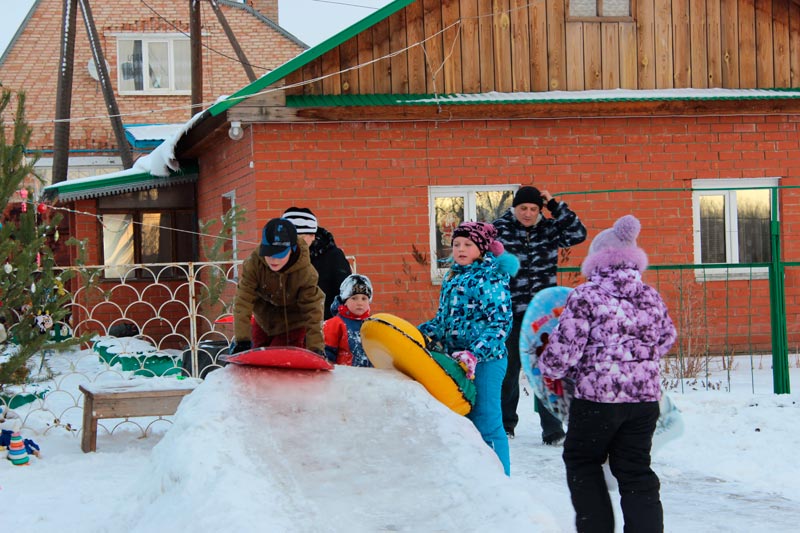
point(487, 414)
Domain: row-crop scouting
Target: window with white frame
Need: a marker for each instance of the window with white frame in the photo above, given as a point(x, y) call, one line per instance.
point(157, 63)
point(450, 206)
point(731, 219)
point(591, 9)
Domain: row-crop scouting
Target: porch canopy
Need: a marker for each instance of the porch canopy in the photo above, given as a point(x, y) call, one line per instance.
point(124, 181)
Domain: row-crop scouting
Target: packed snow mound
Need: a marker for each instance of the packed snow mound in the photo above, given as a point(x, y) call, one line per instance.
point(353, 450)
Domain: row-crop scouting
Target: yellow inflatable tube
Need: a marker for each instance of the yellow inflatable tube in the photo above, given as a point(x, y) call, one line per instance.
point(391, 342)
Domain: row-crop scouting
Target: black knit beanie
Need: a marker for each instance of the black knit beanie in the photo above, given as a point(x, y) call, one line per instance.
point(528, 195)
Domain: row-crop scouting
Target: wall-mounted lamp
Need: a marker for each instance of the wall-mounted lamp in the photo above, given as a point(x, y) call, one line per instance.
point(236, 132)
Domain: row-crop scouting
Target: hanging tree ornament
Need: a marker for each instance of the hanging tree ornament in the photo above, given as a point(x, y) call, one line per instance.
point(38, 260)
point(56, 235)
point(60, 286)
point(23, 193)
point(41, 208)
point(7, 268)
point(33, 287)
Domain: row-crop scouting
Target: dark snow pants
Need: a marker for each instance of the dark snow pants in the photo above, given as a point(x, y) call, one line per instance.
point(551, 426)
point(623, 434)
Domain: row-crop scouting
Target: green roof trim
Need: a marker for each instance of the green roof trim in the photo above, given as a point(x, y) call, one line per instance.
point(356, 100)
point(307, 57)
point(115, 183)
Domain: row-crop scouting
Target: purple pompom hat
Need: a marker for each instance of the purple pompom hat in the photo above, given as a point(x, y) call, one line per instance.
point(615, 246)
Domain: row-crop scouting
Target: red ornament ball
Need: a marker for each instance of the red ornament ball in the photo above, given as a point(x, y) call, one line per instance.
point(42, 208)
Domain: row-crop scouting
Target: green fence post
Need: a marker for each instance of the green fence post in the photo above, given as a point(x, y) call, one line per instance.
point(777, 307)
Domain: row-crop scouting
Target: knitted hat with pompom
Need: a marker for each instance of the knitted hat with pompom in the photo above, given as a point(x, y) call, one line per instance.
point(616, 246)
point(483, 234)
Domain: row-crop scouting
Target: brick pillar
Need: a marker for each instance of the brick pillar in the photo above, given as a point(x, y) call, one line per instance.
point(268, 8)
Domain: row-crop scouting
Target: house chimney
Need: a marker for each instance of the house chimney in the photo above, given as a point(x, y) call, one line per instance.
point(268, 8)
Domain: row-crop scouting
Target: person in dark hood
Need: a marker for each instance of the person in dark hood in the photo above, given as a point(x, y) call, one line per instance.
point(327, 258)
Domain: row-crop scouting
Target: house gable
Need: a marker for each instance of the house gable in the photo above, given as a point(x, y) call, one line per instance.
point(266, 46)
point(469, 46)
point(446, 47)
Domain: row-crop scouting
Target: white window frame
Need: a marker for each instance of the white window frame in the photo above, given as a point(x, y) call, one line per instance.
point(149, 38)
point(231, 196)
point(468, 192)
point(726, 188)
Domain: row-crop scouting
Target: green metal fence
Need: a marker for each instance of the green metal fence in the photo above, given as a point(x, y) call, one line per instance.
point(726, 311)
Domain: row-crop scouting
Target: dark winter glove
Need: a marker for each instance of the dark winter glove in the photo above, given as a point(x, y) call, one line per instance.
point(554, 386)
point(427, 341)
point(432, 345)
point(240, 346)
point(552, 205)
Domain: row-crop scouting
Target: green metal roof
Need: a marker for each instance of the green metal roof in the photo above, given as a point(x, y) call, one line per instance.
point(355, 100)
point(307, 57)
point(115, 183)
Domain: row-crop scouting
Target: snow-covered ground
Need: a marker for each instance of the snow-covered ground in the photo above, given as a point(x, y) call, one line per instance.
point(363, 450)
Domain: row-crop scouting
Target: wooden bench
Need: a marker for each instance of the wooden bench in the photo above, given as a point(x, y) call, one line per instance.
point(125, 400)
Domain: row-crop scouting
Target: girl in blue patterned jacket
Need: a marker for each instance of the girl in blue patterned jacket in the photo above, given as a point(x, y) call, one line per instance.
point(473, 320)
point(609, 340)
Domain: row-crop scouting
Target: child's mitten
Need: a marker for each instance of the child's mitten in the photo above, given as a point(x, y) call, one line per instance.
point(467, 360)
point(554, 386)
point(31, 447)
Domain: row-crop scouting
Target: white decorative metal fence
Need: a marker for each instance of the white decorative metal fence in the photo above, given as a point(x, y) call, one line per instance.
point(156, 323)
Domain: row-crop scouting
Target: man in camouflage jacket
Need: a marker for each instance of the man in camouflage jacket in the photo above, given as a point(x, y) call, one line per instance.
point(535, 240)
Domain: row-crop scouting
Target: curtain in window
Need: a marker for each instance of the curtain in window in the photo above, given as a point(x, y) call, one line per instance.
point(583, 8)
point(492, 204)
point(589, 8)
point(753, 218)
point(712, 229)
point(616, 8)
point(130, 55)
point(117, 244)
point(158, 65)
point(183, 64)
point(449, 214)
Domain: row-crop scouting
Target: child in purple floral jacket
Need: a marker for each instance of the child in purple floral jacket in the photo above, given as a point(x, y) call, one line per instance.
point(609, 340)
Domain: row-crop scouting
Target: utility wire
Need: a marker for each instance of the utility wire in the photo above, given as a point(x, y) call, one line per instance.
point(390, 55)
point(345, 4)
point(179, 30)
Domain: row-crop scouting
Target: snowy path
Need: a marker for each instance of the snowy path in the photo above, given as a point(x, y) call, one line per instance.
point(693, 501)
point(363, 451)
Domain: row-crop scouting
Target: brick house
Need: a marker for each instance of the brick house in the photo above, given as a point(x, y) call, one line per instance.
point(132, 34)
point(429, 112)
point(147, 50)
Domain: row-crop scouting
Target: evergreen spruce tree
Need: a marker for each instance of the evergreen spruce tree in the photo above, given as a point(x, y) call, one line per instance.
point(33, 300)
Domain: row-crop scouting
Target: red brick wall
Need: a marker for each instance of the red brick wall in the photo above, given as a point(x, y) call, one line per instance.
point(368, 184)
point(32, 65)
point(268, 8)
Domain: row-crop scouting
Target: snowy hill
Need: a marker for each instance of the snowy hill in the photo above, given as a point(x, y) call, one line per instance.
point(355, 449)
point(366, 450)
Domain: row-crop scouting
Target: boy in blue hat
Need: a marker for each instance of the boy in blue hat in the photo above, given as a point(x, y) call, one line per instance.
point(277, 301)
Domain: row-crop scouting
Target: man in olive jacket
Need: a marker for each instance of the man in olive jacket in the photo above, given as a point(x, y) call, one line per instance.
point(277, 301)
